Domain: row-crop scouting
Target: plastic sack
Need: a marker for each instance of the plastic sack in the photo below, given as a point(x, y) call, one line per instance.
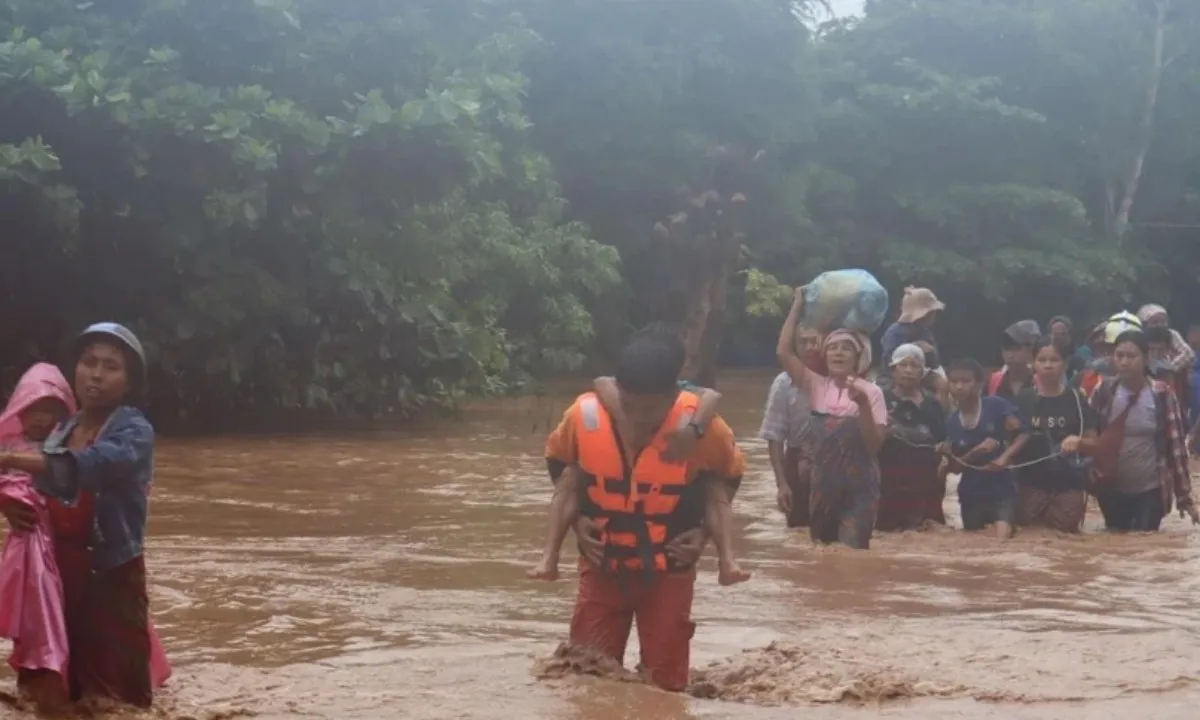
point(850, 299)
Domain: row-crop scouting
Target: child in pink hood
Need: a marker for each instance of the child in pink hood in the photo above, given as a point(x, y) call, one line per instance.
point(32, 607)
point(31, 611)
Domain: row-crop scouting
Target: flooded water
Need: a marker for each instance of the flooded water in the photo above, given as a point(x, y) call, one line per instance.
point(382, 575)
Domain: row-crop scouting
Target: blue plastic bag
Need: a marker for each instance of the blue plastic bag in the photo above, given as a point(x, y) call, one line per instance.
point(849, 299)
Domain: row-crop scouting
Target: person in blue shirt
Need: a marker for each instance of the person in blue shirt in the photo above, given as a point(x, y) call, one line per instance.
point(918, 311)
point(978, 446)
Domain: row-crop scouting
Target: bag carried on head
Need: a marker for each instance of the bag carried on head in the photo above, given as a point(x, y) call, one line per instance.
point(849, 299)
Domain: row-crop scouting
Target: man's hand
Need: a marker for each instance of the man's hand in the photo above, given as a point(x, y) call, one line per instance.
point(783, 497)
point(687, 547)
point(587, 532)
point(998, 464)
point(21, 517)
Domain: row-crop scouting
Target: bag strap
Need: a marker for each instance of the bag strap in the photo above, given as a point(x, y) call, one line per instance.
point(1161, 432)
point(1107, 393)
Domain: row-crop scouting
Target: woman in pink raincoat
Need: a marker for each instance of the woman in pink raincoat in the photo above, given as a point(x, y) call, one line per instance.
point(90, 621)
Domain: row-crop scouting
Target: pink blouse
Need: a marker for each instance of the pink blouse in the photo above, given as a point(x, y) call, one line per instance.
point(827, 397)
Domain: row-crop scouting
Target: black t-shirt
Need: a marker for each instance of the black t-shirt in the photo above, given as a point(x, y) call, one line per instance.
point(1051, 420)
point(922, 424)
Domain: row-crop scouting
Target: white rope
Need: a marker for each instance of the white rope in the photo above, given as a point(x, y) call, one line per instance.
point(1018, 466)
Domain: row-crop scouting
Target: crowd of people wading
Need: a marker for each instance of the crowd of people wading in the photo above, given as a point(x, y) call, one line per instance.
point(645, 470)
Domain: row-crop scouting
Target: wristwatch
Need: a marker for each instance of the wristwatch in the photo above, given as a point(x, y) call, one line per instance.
point(697, 428)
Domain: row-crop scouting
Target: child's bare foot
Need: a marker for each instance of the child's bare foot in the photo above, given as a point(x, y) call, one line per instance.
point(546, 570)
point(731, 574)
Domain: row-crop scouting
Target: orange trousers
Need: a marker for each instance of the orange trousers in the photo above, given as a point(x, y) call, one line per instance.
point(604, 615)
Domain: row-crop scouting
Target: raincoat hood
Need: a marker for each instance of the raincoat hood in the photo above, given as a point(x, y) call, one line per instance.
point(39, 382)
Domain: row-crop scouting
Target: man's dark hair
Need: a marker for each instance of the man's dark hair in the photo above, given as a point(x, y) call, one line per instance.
point(1158, 334)
point(968, 365)
point(651, 363)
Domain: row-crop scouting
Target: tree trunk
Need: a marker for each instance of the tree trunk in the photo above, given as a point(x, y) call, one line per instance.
point(698, 367)
point(1146, 133)
point(706, 241)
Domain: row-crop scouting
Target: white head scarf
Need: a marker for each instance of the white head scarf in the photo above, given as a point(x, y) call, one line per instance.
point(906, 351)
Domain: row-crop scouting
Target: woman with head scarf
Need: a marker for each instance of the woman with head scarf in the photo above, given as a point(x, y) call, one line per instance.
point(911, 489)
point(95, 471)
point(850, 419)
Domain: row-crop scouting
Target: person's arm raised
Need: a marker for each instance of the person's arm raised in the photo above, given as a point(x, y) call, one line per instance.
point(785, 349)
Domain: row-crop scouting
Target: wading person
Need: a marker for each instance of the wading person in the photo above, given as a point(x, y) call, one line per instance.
point(911, 488)
point(96, 470)
point(1103, 341)
point(1180, 357)
point(679, 443)
point(1139, 460)
point(849, 424)
point(643, 518)
point(1017, 351)
point(1193, 384)
point(785, 427)
point(919, 311)
point(977, 443)
point(1158, 339)
point(1078, 356)
point(1052, 492)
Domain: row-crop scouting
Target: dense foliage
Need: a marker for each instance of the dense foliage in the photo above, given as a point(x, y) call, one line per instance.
point(369, 207)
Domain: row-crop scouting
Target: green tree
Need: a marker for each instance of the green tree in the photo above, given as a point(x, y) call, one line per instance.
point(300, 204)
point(644, 109)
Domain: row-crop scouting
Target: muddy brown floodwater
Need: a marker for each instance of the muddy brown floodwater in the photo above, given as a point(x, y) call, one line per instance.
point(381, 576)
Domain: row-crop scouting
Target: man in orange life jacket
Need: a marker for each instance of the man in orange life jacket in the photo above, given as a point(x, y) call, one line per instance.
point(642, 518)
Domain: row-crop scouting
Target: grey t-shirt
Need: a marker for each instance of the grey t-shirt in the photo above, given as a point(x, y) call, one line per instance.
point(1137, 467)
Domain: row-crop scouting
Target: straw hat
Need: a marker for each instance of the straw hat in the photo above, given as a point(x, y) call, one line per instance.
point(917, 303)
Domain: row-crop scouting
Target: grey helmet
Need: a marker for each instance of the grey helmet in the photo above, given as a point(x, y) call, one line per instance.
point(126, 339)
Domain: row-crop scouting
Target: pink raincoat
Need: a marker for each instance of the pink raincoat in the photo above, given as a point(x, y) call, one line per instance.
point(31, 595)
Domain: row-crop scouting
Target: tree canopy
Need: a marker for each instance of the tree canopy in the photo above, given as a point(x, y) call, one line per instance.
point(369, 208)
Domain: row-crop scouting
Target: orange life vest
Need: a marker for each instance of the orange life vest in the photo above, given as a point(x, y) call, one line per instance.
point(637, 511)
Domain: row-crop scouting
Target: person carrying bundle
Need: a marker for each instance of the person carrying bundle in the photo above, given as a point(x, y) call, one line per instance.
point(850, 419)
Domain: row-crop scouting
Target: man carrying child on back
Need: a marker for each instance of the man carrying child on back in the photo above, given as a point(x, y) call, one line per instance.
point(638, 502)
